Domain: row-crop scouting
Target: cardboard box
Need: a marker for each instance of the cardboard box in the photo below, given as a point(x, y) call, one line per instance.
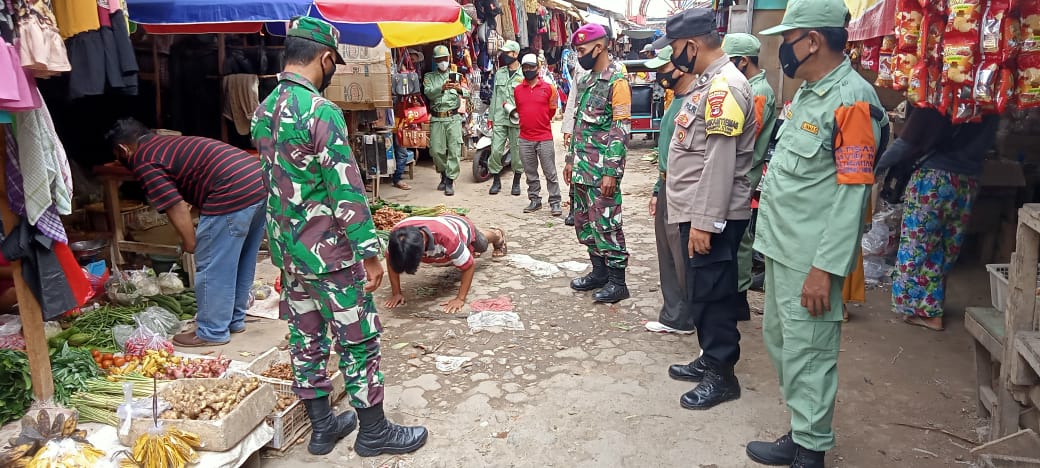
point(358, 83)
point(358, 54)
point(219, 435)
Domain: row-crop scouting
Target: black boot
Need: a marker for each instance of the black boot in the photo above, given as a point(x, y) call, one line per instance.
point(449, 187)
point(616, 290)
point(440, 186)
point(692, 372)
point(516, 184)
point(777, 453)
point(569, 220)
point(554, 207)
point(327, 428)
point(743, 308)
point(596, 279)
point(805, 458)
point(536, 204)
point(718, 386)
point(496, 184)
point(378, 436)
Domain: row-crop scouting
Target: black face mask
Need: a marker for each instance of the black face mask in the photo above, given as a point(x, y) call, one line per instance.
point(507, 60)
point(530, 75)
point(588, 60)
point(666, 80)
point(326, 76)
point(789, 61)
point(736, 63)
point(681, 62)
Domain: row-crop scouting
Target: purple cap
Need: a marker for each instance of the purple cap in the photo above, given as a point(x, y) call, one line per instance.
point(588, 33)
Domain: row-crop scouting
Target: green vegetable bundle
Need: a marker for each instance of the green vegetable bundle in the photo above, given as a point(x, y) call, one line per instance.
point(417, 210)
point(97, 325)
point(72, 368)
point(16, 392)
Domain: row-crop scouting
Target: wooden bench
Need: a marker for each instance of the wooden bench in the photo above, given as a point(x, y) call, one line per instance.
point(986, 326)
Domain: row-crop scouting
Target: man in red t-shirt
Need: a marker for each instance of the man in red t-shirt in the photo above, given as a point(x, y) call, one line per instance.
point(447, 239)
point(536, 103)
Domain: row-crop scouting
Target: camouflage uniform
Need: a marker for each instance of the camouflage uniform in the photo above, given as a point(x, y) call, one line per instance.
point(320, 231)
point(598, 149)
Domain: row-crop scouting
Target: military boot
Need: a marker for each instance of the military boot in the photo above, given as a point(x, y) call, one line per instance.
point(535, 205)
point(719, 385)
point(743, 307)
point(327, 428)
point(449, 187)
point(805, 458)
point(615, 290)
point(496, 184)
point(777, 453)
point(378, 436)
point(440, 186)
point(596, 279)
point(516, 184)
point(692, 372)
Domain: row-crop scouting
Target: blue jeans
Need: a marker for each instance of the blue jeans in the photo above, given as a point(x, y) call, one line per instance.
point(404, 156)
point(225, 262)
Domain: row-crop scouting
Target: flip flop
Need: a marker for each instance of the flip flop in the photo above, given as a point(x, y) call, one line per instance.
point(502, 248)
point(918, 322)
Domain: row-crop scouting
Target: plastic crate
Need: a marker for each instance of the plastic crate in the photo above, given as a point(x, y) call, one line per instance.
point(998, 284)
point(275, 355)
point(289, 425)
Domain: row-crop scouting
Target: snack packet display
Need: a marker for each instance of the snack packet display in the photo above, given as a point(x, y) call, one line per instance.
point(963, 19)
point(1028, 84)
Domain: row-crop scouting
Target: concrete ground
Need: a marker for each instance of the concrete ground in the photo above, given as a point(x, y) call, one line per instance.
point(584, 385)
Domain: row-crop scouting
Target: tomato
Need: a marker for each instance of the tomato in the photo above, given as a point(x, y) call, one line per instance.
point(106, 364)
point(95, 353)
point(106, 356)
point(119, 362)
point(99, 361)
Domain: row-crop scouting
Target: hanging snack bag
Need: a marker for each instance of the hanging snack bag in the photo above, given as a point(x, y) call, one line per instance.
point(884, 78)
point(963, 18)
point(869, 54)
point(987, 80)
point(994, 41)
point(958, 63)
point(931, 43)
point(1028, 84)
point(902, 67)
point(909, 20)
point(917, 89)
point(1029, 28)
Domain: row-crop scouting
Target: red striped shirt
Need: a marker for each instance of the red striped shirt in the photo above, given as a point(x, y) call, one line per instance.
point(211, 175)
point(452, 239)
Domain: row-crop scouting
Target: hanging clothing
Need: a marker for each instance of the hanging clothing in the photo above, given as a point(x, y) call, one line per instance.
point(75, 17)
point(50, 222)
point(8, 15)
point(241, 96)
point(41, 266)
point(42, 49)
point(103, 59)
point(17, 87)
point(44, 165)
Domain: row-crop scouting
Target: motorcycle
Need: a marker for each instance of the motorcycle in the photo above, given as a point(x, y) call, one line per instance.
point(480, 131)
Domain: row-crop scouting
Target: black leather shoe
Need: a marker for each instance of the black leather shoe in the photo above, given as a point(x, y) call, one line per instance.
point(554, 207)
point(326, 429)
point(496, 184)
point(516, 184)
point(534, 206)
point(440, 186)
point(596, 279)
point(449, 188)
point(777, 453)
point(615, 290)
point(389, 438)
point(692, 372)
point(716, 387)
point(569, 220)
point(805, 458)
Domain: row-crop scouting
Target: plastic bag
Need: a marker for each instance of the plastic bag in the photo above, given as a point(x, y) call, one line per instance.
point(122, 292)
point(121, 333)
point(159, 320)
point(875, 241)
point(10, 325)
point(144, 338)
point(875, 270)
point(170, 282)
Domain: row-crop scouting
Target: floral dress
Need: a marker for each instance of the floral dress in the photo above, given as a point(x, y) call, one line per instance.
point(936, 211)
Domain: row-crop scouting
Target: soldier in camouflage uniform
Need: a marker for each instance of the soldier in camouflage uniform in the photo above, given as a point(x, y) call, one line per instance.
point(323, 239)
point(507, 78)
point(596, 163)
point(445, 122)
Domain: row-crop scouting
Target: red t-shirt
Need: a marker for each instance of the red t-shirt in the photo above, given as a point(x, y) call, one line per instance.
point(452, 239)
point(537, 106)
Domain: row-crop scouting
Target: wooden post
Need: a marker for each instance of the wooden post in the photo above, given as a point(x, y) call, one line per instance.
point(221, 56)
point(158, 84)
point(28, 307)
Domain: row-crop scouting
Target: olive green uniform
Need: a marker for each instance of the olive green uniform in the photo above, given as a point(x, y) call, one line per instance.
point(503, 130)
point(445, 123)
point(765, 110)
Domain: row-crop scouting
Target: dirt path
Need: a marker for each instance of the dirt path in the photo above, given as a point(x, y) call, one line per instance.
point(584, 385)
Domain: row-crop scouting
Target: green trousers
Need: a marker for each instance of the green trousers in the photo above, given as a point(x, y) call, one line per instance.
point(446, 144)
point(745, 252)
point(500, 134)
point(804, 351)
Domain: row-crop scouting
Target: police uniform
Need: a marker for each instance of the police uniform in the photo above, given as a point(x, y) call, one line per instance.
point(745, 45)
point(810, 216)
point(708, 190)
point(445, 121)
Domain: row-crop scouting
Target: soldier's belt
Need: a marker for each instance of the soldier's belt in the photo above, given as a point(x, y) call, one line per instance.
point(445, 114)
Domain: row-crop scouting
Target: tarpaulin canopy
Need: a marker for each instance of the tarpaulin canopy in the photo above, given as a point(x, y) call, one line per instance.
point(397, 23)
point(871, 18)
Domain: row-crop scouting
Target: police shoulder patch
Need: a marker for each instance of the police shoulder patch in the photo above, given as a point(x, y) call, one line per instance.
point(722, 115)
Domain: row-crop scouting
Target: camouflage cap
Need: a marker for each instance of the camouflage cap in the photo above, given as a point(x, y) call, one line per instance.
point(316, 30)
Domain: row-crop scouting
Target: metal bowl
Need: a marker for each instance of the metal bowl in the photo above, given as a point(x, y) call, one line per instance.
point(88, 249)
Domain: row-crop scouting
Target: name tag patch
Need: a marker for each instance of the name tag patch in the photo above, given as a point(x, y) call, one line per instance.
point(810, 128)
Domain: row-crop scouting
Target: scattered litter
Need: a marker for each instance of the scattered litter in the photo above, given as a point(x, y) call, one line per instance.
point(573, 266)
point(621, 326)
point(490, 319)
point(500, 435)
point(498, 304)
point(926, 452)
point(536, 267)
point(399, 345)
point(451, 363)
point(245, 354)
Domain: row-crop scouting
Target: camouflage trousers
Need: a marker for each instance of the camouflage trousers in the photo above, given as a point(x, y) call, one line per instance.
point(333, 310)
point(597, 220)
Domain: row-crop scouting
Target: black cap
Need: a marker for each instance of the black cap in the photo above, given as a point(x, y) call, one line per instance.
point(689, 23)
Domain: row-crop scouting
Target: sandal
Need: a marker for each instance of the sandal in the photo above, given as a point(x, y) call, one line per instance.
point(403, 186)
point(501, 248)
point(919, 322)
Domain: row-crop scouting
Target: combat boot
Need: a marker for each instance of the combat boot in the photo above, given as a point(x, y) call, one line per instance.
point(805, 458)
point(326, 428)
point(496, 184)
point(535, 205)
point(615, 290)
point(719, 385)
point(596, 279)
point(777, 453)
point(692, 372)
point(569, 220)
point(440, 186)
point(516, 184)
point(378, 436)
point(449, 187)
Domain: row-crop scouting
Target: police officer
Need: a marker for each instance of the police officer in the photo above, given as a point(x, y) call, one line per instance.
point(709, 199)
point(671, 252)
point(810, 220)
point(503, 130)
point(596, 163)
point(743, 49)
point(445, 96)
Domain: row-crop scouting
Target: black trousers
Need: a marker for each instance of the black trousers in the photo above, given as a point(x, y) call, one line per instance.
point(712, 296)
